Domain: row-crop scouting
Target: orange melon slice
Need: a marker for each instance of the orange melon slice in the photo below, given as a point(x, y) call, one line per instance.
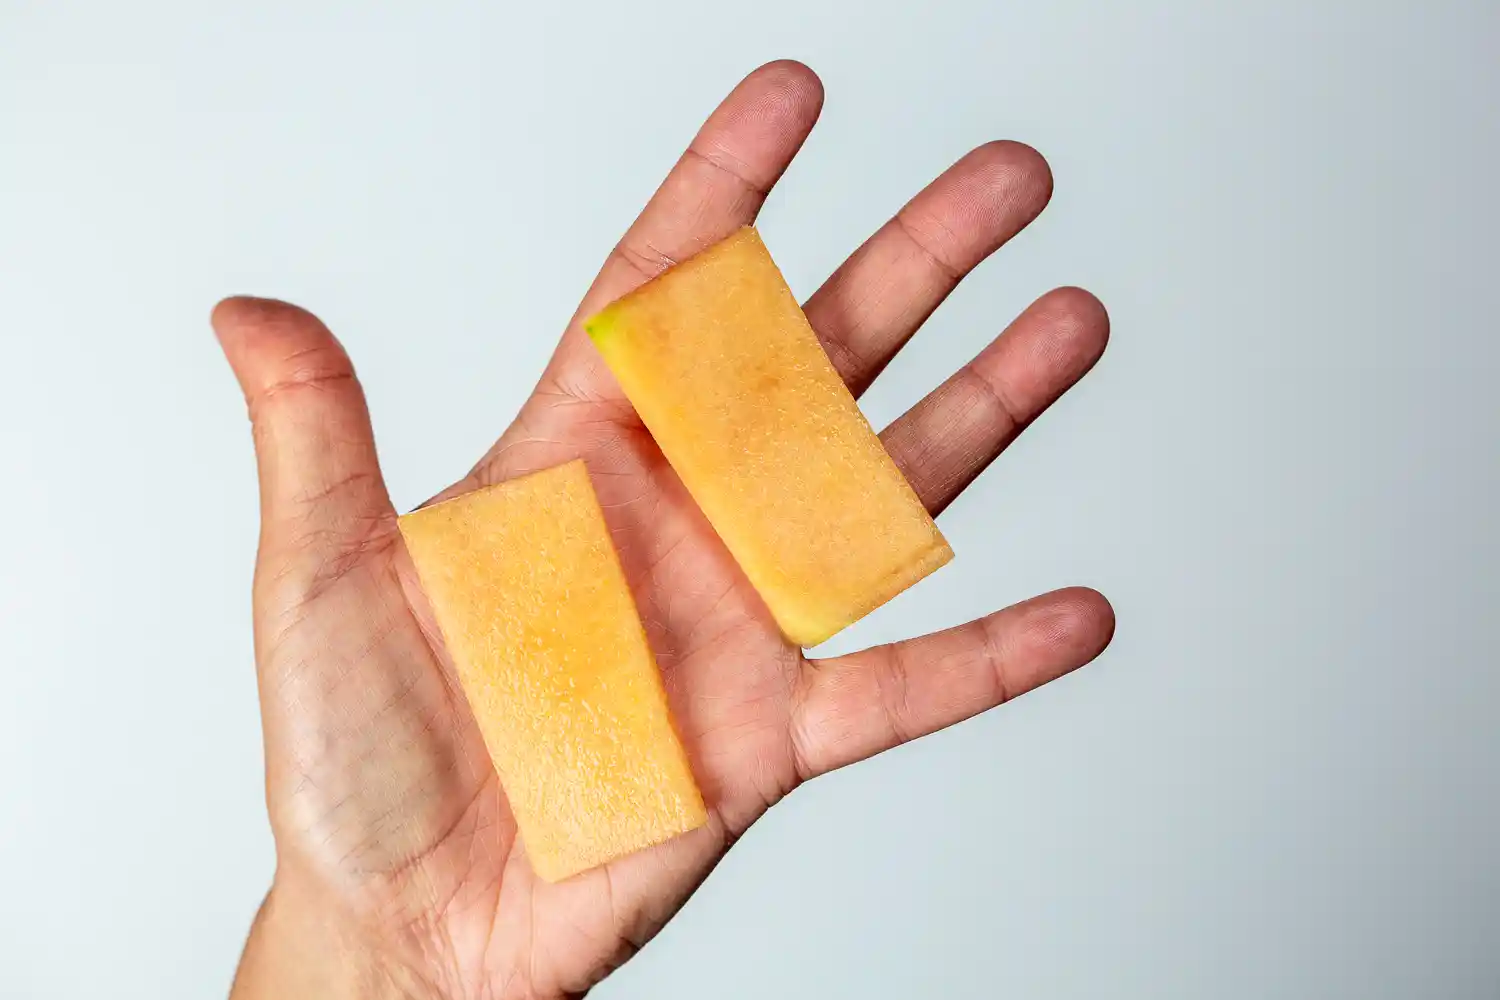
point(724, 370)
point(536, 615)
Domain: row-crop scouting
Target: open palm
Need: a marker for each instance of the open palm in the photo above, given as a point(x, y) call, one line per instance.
point(393, 836)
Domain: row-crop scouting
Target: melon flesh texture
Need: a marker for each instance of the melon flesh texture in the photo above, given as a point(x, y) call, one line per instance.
point(724, 370)
point(536, 615)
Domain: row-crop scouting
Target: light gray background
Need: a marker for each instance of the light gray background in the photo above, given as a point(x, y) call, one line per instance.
point(1280, 781)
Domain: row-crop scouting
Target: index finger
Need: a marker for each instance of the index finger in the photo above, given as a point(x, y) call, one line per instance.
point(717, 186)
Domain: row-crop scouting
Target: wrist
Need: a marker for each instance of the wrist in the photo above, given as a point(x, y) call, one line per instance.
point(300, 948)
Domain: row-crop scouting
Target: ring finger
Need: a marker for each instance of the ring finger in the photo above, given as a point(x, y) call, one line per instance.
point(952, 433)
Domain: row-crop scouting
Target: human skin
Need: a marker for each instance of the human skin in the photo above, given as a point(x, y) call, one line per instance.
point(399, 871)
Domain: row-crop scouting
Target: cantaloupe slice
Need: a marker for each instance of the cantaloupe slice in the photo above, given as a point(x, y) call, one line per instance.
point(534, 610)
point(723, 368)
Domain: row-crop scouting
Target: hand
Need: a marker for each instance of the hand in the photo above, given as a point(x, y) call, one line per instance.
point(399, 869)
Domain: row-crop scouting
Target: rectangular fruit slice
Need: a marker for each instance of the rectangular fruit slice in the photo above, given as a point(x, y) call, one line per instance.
point(533, 606)
point(723, 368)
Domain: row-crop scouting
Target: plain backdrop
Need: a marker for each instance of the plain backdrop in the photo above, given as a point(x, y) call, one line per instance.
point(1283, 779)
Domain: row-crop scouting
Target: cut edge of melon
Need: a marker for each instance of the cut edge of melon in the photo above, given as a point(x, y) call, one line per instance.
point(809, 632)
point(550, 872)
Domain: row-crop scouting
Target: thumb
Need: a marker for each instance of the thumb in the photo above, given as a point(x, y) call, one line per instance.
point(323, 503)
